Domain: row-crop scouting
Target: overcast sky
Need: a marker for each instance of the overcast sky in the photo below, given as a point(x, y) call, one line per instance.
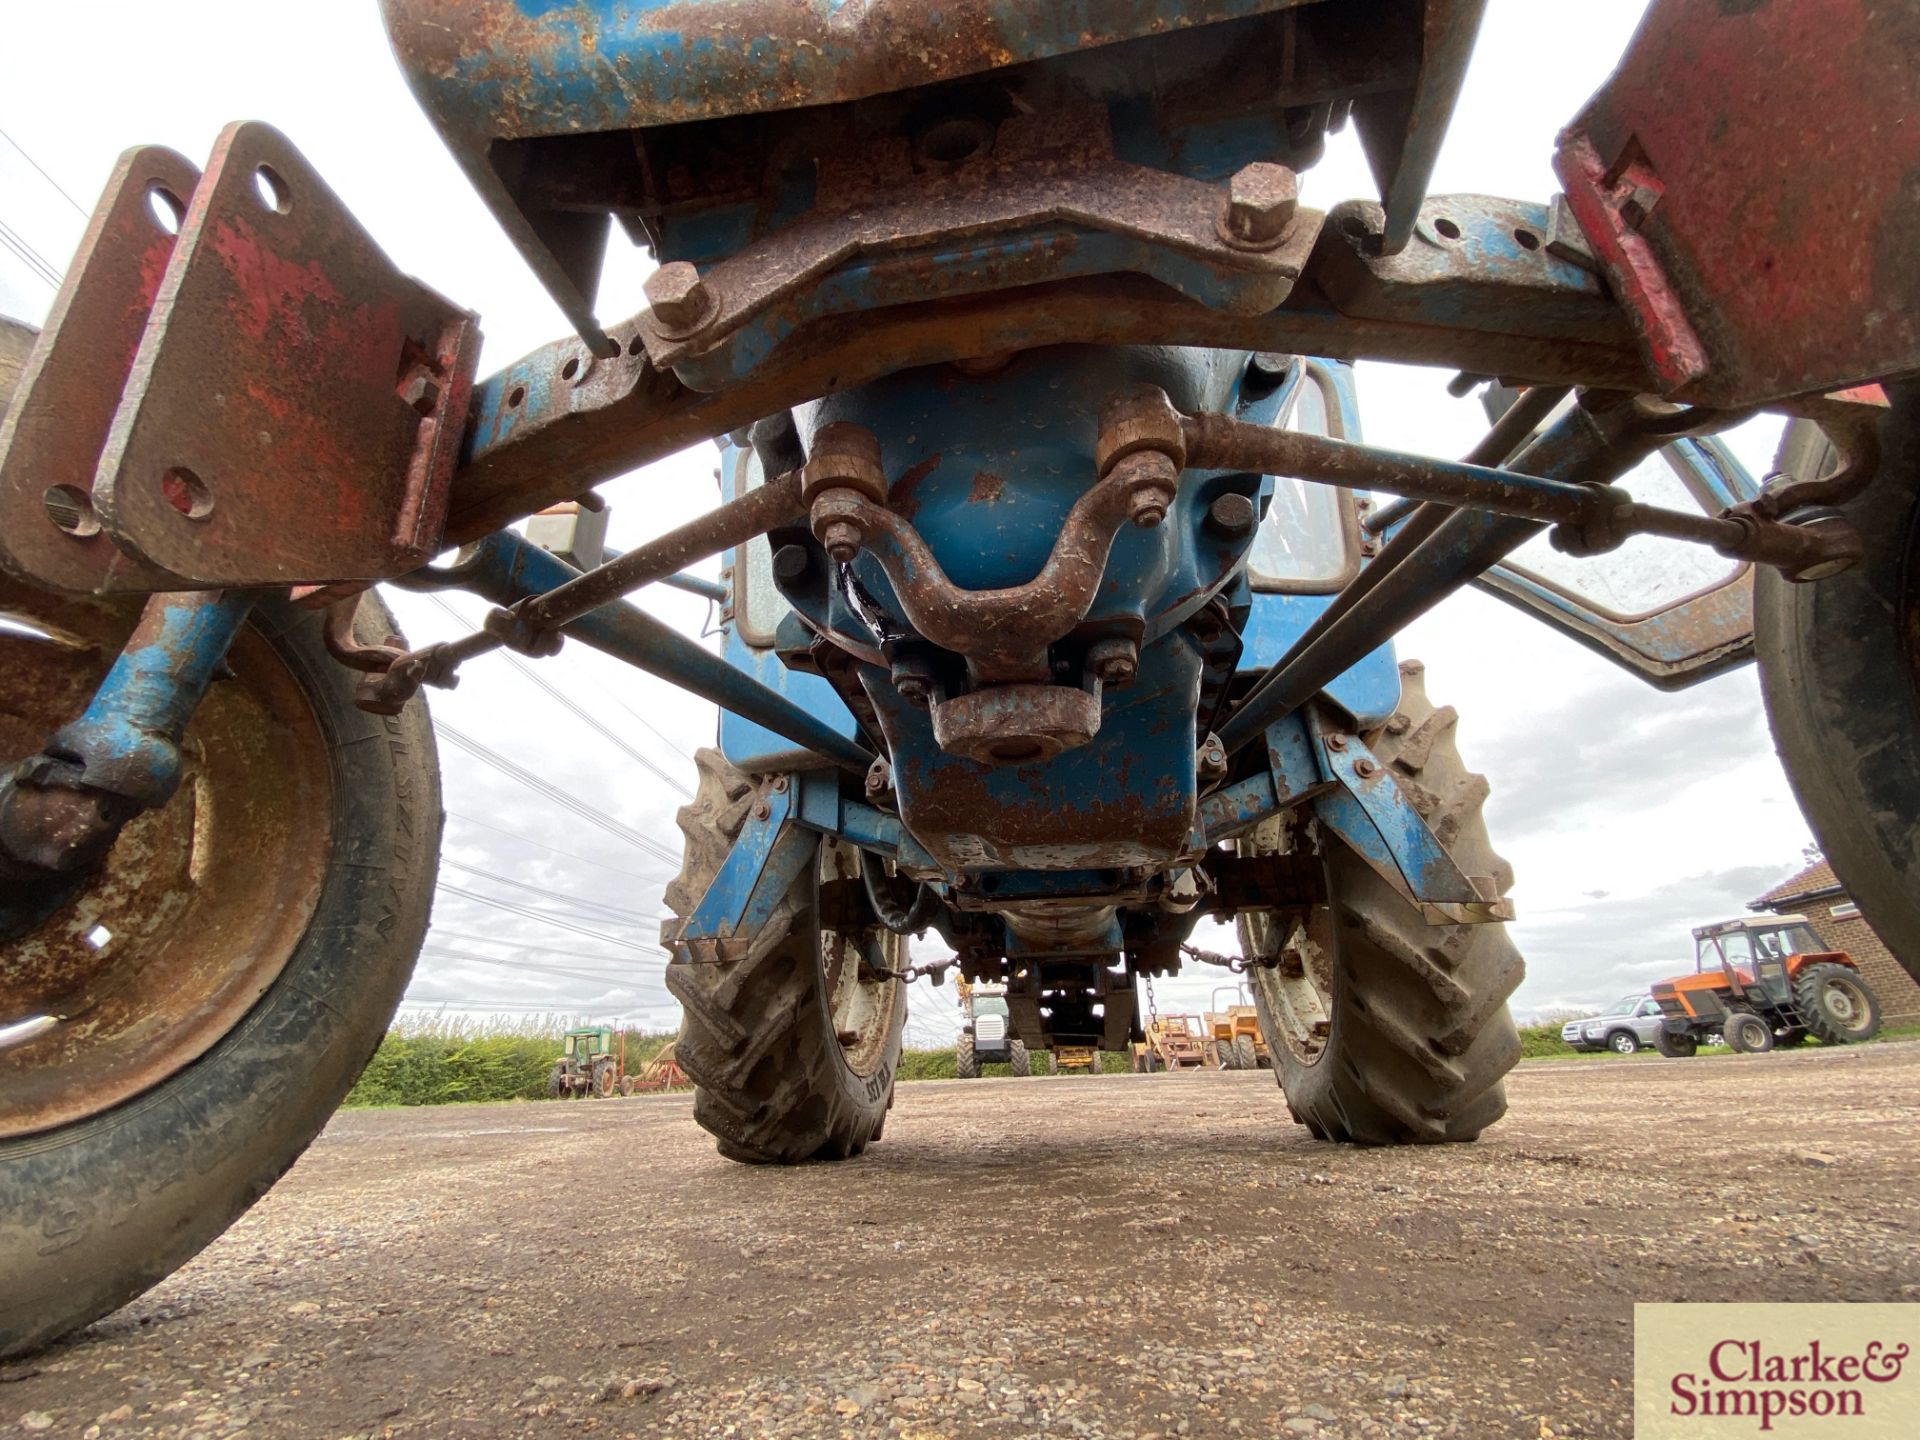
point(1629, 815)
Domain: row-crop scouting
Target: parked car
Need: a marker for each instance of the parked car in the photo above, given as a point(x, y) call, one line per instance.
point(1623, 1027)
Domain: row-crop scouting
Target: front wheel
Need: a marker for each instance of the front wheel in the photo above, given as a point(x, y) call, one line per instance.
point(1676, 1047)
point(792, 1047)
point(1245, 1055)
point(1747, 1034)
point(1385, 1030)
point(209, 997)
point(1622, 1042)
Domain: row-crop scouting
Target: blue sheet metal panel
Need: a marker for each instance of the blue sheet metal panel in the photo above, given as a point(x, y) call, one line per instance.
point(770, 854)
point(1369, 690)
point(549, 67)
point(1375, 817)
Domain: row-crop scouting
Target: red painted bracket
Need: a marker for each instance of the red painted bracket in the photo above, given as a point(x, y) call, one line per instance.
point(290, 414)
point(1746, 179)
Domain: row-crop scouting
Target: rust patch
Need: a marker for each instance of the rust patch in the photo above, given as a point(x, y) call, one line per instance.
point(986, 488)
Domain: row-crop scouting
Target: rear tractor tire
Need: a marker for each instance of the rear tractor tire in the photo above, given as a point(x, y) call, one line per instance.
point(792, 1049)
point(1020, 1062)
point(1385, 1030)
point(966, 1061)
point(1838, 1005)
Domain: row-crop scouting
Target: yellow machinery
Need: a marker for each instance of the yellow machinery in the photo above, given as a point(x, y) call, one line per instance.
point(1074, 1059)
point(1174, 1042)
point(1233, 1033)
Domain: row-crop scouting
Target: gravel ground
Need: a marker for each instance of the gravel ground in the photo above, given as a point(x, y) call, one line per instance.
point(1130, 1256)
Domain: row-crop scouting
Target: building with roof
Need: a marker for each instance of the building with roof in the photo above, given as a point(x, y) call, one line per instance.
point(1816, 892)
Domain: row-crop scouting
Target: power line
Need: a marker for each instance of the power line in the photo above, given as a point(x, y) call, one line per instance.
point(487, 755)
point(35, 262)
point(571, 954)
point(619, 982)
point(554, 920)
point(592, 721)
point(608, 912)
point(77, 208)
point(551, 849)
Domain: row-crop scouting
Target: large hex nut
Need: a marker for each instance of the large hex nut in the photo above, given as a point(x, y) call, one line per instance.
point(845, 456)
point(1140, 417)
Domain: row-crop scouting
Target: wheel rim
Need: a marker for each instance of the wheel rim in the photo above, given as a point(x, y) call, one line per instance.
point(1622, 1044)
point(1295, 984)
point(200, 904)
point(1844, 1003)
point(854, 951)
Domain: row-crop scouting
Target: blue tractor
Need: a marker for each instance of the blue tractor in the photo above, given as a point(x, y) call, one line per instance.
point(1059, 612)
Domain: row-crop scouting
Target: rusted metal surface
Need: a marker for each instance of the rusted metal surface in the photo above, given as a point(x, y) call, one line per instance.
point(1032, 205)
point(1747, 179)
point(69, 390)
point(200, 903)
point(1401, 129)
point(533, 625)
point(564, 432)
point(1016, 724)
point(1470, 262)
point(1005, 633)
point(296, 405)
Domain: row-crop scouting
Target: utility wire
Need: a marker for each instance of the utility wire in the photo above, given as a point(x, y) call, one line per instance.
point(554, 920)
point(35, 262)
point(550, 849)
point(486, 754)
point(585, 717)
point(619, 982)
point(608, 912)
point(567, 954)
point(78, 209)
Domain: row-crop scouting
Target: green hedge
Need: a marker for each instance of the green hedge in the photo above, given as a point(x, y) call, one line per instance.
point(445, 1066)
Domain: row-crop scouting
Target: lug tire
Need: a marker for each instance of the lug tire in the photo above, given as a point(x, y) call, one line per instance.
point(1747, 1034)
point(1810, 989)
point(1019, 1060)
point(1838, 661)
point(966, 1063)
point(772, 1083)
point(1676, 1047)
point(1623, 1042)
point(1223, 1055)
point(1245, 1056)
point(556, 1087)
point(96, 1211)
point(1419, 1039)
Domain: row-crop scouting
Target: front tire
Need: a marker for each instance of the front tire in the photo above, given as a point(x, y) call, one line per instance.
point(1018, 1059)
point(1385, 1030)
point(966, 1061)
point(1747, 1034)
point(1245, 1055)
point(1676, 1047)
point(97, 1209)
point(793, 1047)
point(1623, 1042)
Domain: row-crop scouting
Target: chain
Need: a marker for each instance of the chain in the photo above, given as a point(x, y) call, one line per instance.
point(1153, 1006)
point(1206, 957)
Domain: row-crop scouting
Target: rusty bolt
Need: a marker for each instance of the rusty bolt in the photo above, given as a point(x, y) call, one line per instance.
point(1231, 515)
point(879, 778)
point(1261, 201)
point(1365, 768)
point(420, 392)
point(761, 810)
point(915, 691)
point(1336, 742)
point(680, 299)
point(1637, 208)
point(1114, 661)
point(1147, 505)
point(842, 539)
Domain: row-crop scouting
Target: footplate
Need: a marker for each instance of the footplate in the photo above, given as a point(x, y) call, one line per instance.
point(260, 400)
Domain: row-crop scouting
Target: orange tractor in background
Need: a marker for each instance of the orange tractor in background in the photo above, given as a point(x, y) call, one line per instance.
point(1761, 982)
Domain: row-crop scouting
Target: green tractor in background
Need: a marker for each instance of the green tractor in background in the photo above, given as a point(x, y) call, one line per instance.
point(592, 1061)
